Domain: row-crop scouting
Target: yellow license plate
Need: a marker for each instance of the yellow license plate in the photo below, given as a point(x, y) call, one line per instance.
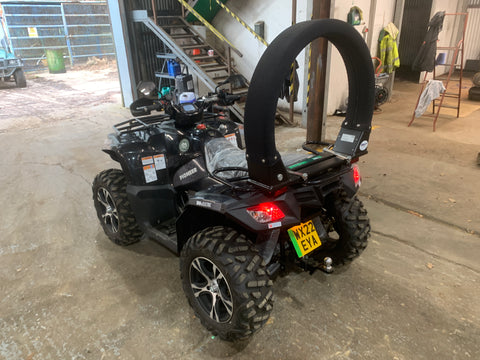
point(304, 238)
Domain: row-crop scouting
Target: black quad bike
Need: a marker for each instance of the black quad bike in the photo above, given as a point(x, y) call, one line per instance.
point(238, 217)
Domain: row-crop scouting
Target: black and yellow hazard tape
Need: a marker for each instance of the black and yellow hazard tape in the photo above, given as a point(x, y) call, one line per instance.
point(207, 24)
point(236, 17)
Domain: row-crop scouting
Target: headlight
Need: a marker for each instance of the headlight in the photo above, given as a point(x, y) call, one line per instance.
point(110, 142)
point(13, 62)
point(184, 145)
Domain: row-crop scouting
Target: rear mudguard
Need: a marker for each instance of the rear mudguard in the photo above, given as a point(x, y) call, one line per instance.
point(208, 209)
point(211, 208)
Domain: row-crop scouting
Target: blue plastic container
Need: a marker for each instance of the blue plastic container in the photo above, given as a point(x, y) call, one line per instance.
point(441, 58)
point(173, 68)
point(187, 97)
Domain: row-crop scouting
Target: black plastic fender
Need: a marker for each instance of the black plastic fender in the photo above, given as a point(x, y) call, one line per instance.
point(212, 208)
point(264, 162)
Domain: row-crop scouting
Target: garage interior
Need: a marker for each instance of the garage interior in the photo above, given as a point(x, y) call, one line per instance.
point(68, 292)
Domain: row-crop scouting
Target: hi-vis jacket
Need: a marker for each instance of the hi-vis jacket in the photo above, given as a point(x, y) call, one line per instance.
point(388, 49)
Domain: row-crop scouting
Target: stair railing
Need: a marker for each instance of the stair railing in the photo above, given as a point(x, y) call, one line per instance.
point(210, 27)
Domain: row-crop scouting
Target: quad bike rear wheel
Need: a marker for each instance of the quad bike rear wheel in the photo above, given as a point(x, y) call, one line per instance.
point(352, 226)
point(113, 208)
point(225, 281)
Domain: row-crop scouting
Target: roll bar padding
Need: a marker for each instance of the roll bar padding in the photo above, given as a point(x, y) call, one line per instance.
point(264, 162)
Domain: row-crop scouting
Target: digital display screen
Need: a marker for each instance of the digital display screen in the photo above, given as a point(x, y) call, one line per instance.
point(188, 107)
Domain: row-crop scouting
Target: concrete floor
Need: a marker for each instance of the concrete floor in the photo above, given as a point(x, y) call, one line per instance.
point(67, 292)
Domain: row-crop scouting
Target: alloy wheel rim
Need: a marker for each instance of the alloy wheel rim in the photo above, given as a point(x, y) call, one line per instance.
point(211, 290)
point(109, 210)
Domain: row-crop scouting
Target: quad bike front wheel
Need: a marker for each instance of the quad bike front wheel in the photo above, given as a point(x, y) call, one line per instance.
point(113, 208)
point(225, 281)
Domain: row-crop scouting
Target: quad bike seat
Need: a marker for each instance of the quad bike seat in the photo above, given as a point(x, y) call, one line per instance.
point(221, 153)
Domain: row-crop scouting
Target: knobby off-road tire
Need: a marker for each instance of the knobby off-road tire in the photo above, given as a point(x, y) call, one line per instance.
point(352, 225)
point(226, 284)
point(20, 79)
point(476, 79)
point(474, 93)
point(113, 208)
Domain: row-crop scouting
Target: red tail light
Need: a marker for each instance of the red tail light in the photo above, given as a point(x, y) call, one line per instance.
point(266, 212)
point(356, 176)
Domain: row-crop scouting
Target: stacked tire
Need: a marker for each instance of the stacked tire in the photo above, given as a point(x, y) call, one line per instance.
point(474, 92)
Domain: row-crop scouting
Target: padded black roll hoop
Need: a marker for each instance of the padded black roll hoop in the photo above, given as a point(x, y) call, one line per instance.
point(264, 163)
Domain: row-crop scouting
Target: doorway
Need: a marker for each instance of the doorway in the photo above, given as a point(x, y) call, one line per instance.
point(416, 15)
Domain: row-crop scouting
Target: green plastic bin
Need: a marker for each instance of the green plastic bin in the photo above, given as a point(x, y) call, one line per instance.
point(55, 61)
point(207, 8)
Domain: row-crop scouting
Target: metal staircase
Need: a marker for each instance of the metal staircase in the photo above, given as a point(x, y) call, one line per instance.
point(182, 42)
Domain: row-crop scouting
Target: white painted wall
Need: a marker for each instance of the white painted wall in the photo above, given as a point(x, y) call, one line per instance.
point(338, 90)
point(277, 17)
point(448, 33)
point(338, 83)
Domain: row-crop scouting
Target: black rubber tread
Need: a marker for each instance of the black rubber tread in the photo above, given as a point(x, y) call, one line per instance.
point(352, 224)
point(20, 79)
point(474, 93)
point(113, 180)
point(245, 271)
point(476, 79)
point(381, 95)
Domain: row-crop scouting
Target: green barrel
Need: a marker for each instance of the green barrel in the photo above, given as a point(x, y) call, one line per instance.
point(55, 61)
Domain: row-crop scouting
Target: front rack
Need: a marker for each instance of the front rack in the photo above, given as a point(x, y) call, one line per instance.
point(137, 124)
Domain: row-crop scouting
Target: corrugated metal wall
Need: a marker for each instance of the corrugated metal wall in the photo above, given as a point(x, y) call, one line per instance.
point(144, 43)
point(474, 3)
point(81, 30)
point(472, 36)
point(414, 27)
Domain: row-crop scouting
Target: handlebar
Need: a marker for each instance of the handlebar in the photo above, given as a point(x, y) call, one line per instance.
point(222, 98)
point(156, 106)
point(231, 98)
point(145, 106)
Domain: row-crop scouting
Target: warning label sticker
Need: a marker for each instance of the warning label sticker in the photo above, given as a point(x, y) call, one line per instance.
point(232, 138)
point(159, 160)
point(147, 160)
point(32, 32)
point(150, 173)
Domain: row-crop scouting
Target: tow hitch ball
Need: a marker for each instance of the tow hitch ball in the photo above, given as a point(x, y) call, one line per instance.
point(327, 265)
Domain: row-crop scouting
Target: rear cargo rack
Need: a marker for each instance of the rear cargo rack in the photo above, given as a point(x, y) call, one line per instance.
point(317, 166)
